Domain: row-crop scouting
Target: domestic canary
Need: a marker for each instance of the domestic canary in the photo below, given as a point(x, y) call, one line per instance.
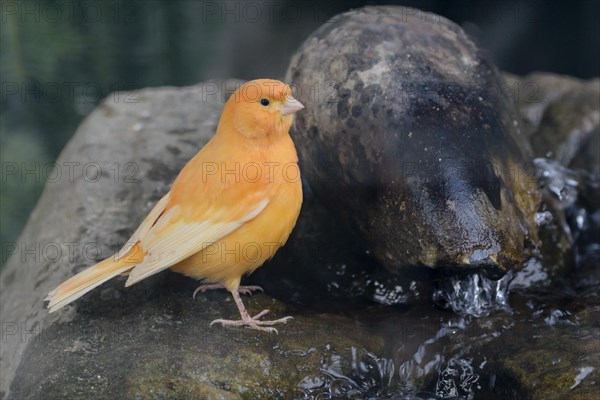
point(228, 211)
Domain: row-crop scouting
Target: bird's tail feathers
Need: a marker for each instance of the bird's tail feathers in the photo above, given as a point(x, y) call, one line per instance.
point(92, 277)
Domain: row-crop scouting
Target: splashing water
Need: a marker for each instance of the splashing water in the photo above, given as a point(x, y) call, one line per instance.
point(560, 181)
point(577, 193)
point(473, 294)
point(532, 273)
point(384, 293)
point(574, 211)
point(368, 377)
point(456, 380)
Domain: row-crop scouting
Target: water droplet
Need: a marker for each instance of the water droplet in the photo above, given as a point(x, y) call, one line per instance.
point(543, 218)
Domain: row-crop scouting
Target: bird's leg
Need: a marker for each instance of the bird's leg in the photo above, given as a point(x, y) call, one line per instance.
point(247, 320)
point(241, 289)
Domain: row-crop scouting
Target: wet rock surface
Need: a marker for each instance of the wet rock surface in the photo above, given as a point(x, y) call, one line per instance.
point(162, 346)
point(561, 116)
point(550, 350)
point(405, 142)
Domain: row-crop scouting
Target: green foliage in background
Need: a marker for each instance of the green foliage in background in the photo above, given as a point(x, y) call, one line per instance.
point(60, 58)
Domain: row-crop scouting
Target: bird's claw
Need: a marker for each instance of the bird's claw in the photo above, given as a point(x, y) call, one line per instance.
point(241, 289)
point(249, 289)
point(254, 322)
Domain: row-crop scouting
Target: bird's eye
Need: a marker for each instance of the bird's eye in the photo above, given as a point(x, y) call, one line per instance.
point(264, 102)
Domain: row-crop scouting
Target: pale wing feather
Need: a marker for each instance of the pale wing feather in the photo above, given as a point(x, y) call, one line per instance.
point(79, 291)
point(145, 226)
point(179, 240)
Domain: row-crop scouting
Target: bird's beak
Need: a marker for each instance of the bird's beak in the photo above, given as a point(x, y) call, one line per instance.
point(290, 106)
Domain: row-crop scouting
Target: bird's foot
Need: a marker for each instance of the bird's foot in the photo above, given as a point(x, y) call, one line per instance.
point(241, 289)
point(254, 322)
point(248, 289)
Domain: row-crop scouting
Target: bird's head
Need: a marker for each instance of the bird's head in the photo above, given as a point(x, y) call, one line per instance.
point(262, 108)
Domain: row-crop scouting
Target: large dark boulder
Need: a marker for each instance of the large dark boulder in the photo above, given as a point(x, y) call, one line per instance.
point(410, 138)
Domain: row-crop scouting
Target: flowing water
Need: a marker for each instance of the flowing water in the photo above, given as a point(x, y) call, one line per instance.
point(516, 337)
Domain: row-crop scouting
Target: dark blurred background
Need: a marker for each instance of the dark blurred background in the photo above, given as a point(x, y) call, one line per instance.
point(60, 58)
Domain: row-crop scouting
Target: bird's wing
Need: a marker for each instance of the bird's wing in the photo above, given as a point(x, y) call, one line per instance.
point(173, 237)
point(145, 226)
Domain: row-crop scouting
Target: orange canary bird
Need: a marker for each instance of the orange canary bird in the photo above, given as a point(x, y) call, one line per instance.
point(229, 210)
